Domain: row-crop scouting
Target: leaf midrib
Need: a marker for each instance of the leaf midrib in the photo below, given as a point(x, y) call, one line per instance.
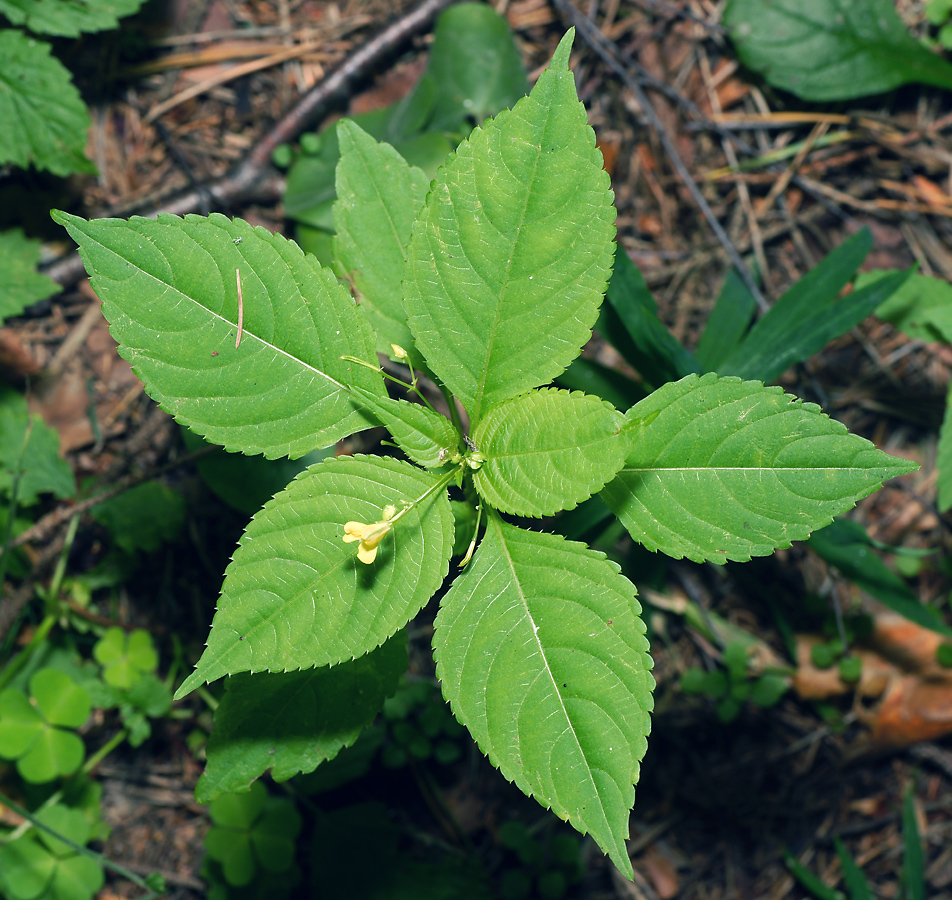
point(517, 583)
point(487, 360)
point(217, 316)
point(752, 469)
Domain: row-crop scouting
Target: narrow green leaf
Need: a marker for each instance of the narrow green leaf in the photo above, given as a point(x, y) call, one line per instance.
point(169, 290)
point(296, 596)
point(543, 656)
point(853, 876)
point(650, 348)
point(21, 284)
point(67, 19)
point(725, 327)
point(44, 119)
point(847, 546)
point(379, 197)
point(819, 888)
point(808, 316)
point(426, 437)
point(728, 469)
point(291, 722)
point(944, 457)
point(831, 50)
point(547, 451)
point(509, 258)
point(766, 354)
point(475, 66)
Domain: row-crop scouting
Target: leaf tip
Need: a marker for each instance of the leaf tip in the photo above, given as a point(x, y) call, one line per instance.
point(560, 59)
point(196, 679)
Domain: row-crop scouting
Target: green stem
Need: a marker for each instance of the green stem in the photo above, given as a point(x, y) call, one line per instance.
point(206, 695)
point(79, 848)
point(49, 620)
point(104, 751)
point(442, 483)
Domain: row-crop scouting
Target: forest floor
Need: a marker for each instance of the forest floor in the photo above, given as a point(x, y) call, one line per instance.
point(717, 803)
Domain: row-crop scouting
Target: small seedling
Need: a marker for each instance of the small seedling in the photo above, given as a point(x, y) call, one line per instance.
point(546, 868)
point(487, 280)
point(733, 685)
point(420, 726)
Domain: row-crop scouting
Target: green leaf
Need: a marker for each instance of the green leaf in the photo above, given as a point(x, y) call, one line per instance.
point(125, 657)
point(543, 656)
point(729, 320)
point(921, 307)
point(913, 859)
point(67, 18)
point(428, 438)
point(21, 284)
point(27, 867)
point(144, 517)
point(629, 321)
point(847, 546)
point(728, 469)
point(830, 50)
point(42, 469)
point(853, 876)
point(510, 256)
point(944, 457)
point(244, 825)
point(27, 729)
point(295, 595)
point(247, 482)
point(547, 451)
point(60, 700)
point(816, 886)
point(19, 723)
point(292, 722)
point(310, 192)
point(44, 119)
point(475, 66)
point(169, 290)
point(808, 316)
point(379, 197)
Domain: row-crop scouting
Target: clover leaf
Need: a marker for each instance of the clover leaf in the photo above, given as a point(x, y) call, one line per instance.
point(125, 658)
point(252, 831)
point(38, 866)
point(32, 730)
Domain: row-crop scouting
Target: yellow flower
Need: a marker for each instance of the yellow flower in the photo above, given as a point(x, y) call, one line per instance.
point(370, 535)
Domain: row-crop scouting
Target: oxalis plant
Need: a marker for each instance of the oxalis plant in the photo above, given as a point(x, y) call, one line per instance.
point(487, 282)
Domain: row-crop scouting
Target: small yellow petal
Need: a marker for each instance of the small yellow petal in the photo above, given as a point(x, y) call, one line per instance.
point(367, 554)
point(353, 531)
point(398, 352)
